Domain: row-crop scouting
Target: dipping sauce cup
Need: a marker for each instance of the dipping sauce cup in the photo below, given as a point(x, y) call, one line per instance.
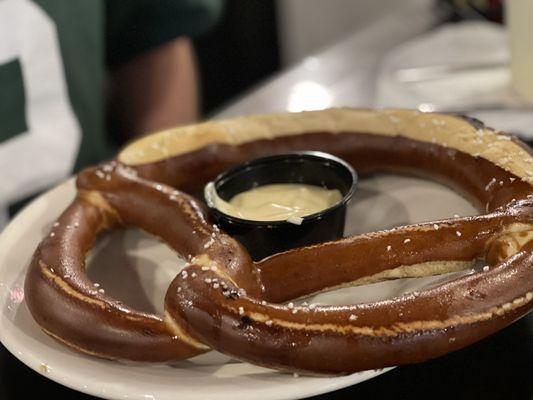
point(264, 238)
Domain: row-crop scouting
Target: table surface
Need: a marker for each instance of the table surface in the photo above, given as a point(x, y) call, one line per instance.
point(343, 75)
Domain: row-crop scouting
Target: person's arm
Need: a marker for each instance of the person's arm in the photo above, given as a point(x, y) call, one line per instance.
point(156, 90)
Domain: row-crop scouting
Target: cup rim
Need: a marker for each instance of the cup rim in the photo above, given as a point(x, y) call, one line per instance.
point(318, 155)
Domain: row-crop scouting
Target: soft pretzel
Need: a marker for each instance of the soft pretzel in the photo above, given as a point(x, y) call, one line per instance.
point(224, 301)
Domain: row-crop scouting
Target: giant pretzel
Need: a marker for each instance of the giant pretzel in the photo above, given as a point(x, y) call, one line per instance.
point(224, 301)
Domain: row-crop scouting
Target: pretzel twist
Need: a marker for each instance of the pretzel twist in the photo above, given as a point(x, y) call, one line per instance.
point(224, 301)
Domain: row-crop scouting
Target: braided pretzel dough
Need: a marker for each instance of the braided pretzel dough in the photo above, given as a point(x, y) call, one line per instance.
point(224, 301)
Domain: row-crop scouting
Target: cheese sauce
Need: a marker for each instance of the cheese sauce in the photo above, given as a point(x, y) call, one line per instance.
point(278, 202)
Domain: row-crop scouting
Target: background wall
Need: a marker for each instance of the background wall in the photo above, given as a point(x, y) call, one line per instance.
point(306, 26)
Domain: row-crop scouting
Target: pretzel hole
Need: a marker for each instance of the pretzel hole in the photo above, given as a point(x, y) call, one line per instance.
point(384, 201)
point(387, 288)
point(378, 291)
point(134, 268)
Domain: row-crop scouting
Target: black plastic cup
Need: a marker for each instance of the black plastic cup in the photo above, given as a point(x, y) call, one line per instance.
point(264, 238)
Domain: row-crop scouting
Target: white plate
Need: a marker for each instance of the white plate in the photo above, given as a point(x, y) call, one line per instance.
point(137, 269)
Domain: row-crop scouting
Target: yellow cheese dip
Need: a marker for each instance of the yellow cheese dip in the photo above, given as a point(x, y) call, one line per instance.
point(277, 202)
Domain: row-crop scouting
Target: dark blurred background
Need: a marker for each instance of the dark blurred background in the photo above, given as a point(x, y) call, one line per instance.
point(256, 38)
point(241, 50)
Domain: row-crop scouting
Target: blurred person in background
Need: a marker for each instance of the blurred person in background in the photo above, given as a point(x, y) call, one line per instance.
point(63, 64)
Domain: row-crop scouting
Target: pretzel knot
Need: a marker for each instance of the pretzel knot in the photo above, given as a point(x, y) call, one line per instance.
point(222, 300)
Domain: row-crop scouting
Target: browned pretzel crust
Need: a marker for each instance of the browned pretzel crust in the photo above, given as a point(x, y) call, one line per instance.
point(224, 301)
